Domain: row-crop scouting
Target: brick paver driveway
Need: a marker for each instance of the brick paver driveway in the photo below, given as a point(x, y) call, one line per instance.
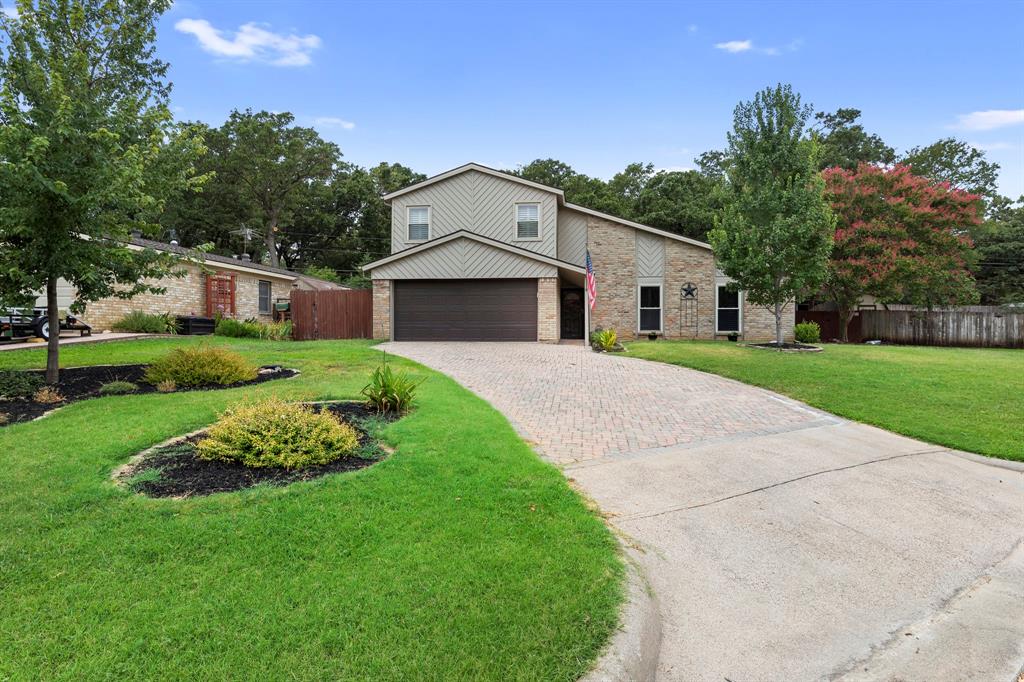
point(782, 543)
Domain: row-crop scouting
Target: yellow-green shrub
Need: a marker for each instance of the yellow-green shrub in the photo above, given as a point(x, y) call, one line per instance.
point(273, 433)
point(200, 366)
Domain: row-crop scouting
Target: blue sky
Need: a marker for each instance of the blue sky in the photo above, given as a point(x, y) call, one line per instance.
point(601, 84)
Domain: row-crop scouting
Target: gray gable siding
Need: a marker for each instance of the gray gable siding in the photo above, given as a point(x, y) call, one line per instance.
point(650, 255)
point(572, 236)
point(480, 203)
point(464, 259)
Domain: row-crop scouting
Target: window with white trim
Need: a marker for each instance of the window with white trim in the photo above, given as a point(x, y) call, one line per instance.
point(264, 297)
point(419, 223)
point(527, 221)
point(727, 310)
point(650, 308)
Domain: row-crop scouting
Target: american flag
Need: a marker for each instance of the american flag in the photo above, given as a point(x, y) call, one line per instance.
point(591, 282)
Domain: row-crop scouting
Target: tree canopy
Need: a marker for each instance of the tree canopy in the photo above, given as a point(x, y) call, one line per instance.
point(844, 143)
point(88, 151)
point(1000, 252)
point(775, 233)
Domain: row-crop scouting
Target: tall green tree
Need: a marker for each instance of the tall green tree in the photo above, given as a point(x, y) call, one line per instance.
point(774, 236)
point(682, 202)
point(88, 151)
point(845, 144)
point(271, 160)
point(1000, 249)
point(956, 162)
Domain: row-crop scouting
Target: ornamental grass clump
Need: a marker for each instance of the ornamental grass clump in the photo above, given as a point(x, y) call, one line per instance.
point(118, 388)
point(274, 433)
point(200, 366)
point(390, 391)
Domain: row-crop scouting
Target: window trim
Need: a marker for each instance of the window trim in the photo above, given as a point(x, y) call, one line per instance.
point(515, 221)
point(270, 297)
point(738, 309)
point(661, 307)
point(408, 223)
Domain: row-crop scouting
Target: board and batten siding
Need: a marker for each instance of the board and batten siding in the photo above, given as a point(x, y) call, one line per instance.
point(464, 259)
point(480, 203)
point(572, 236)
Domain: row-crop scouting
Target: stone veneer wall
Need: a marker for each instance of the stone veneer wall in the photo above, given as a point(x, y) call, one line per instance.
point(186, 296)
point(548, 327)
point(382, 309)
point(613, 253)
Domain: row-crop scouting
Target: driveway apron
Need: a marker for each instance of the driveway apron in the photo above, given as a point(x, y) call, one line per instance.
point(784, 543)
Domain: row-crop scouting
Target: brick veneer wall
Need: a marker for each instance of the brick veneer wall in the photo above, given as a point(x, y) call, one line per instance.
point(548, 326)
point(187, 296)
point(686, 263)
point(613, 252)
point(759, 323)
point(382, 309)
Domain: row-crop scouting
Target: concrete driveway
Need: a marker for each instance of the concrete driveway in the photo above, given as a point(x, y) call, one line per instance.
point(782, 543)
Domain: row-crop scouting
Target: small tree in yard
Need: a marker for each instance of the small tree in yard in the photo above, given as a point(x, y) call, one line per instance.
point(774, 235)
point(898, 237)
point(88, 151)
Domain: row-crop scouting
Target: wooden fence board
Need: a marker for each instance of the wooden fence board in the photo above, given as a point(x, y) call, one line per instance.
point(947, 327)
point(332, 314)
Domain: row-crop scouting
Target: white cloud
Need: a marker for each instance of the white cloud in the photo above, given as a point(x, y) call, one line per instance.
point(251, 43)
point(989, 120)
point(990, 146)
point(735, 46)
point(333, 122)
point(691, 29)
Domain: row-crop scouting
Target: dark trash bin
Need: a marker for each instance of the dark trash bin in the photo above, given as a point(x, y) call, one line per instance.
point(191, 325)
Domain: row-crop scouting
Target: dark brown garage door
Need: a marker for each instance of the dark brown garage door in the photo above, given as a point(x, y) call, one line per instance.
point(466, 310)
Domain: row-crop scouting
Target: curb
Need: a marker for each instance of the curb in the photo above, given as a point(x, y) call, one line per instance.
point(989, 461)
point(632, 654)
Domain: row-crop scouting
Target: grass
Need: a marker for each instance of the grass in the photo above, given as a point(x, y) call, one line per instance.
point(963, 398)
point(461, 556)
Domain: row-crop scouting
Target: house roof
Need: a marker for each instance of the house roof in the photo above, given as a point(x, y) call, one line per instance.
point(233, 263)
point(536, 185)
point(466, 234)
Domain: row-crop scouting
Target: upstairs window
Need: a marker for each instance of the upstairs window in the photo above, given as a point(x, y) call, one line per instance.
point(419, 223)
point(527, 221)
point(727, 311)
point(650, 308)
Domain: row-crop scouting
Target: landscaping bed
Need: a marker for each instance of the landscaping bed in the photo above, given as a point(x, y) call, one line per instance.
point(83, 383)
point(176, 470)
point(791, 346)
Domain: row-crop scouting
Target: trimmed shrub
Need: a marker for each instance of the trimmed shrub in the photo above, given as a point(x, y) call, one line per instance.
point(47, 395)
point(19, 384)
point(807, 332)
point(273, 433)
point(147, 323)
point(118, 388)
point(200, 366)
point(390, 391)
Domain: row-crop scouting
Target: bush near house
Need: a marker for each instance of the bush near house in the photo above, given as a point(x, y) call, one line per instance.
point(200, 366)
point(253, 329)
point(140, 322)
point(807, 332)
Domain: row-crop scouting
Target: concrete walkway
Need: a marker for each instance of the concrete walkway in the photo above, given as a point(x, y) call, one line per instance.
point(783, 543)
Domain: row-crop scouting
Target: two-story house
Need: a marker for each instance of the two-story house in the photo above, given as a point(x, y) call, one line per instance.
point(480, 255)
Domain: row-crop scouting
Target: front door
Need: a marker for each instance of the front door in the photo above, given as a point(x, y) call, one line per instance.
point(572, 313)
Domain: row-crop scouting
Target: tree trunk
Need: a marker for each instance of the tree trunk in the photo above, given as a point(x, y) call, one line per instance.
point(53, 345)
point(778, 324)
point(845, 315)
point(271, 242)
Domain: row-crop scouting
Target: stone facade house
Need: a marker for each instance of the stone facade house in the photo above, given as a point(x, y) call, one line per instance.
point(477, 254)
point(233, 287)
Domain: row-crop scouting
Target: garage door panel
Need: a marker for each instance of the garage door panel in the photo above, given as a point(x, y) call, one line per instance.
point(466, 310)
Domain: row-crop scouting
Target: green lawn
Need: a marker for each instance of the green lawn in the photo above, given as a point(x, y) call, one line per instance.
point(462, 556)
point(964, 398)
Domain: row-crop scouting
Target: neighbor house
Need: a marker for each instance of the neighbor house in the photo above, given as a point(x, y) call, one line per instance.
point(481, 255)
point(211, 285)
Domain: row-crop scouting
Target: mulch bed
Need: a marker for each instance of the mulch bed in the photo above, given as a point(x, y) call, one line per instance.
point(801, 347)
point(82, 383)
point(181, 473)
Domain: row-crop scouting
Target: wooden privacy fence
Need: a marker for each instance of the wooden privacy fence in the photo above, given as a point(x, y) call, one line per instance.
point(828, 320)
point(945, 327)
point(332, 314)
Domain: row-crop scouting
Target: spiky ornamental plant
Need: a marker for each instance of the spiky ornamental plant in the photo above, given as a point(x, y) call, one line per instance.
point(88, 151)
point(774, 235)
point(899, 238)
